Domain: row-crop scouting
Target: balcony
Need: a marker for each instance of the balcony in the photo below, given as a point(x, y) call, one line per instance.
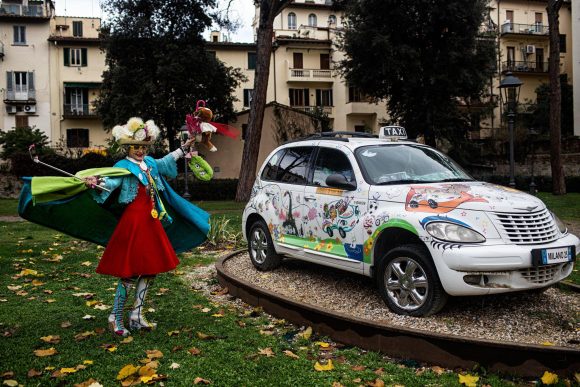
point(537, 29)
point(314, 109)
point(79, 111)
point(310, 75)
point(360, 108)
point(19, 95)
point(525, 67)
point(19, 10)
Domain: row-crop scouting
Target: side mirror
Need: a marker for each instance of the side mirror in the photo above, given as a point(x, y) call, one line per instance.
point(337, 180)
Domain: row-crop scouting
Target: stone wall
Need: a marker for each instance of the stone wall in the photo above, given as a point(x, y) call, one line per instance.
point(10, 186)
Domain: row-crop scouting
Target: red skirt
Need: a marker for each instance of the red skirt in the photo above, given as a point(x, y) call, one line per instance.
point(139, 245)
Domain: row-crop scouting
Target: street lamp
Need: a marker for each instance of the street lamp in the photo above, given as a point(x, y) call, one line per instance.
point(184, 135)
point(510, 93)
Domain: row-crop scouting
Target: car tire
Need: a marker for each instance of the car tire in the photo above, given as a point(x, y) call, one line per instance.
point(408, 282)
point(329, 232)
point(342, 233)
point(261, 248)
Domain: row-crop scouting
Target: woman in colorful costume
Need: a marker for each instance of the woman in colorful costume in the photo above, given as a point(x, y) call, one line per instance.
point(139, 247)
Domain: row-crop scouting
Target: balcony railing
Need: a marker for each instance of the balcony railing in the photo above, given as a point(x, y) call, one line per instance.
point(314, 109)
point(526, 29)
point(19, 95)
point(524, 67)
point(32, 10)
point(79, 111)
point(310, 75)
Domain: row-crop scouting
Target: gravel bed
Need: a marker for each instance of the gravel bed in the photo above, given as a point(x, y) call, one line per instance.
point(549, 318)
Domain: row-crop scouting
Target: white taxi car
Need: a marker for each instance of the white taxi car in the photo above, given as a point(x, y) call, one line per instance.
point(405, 214)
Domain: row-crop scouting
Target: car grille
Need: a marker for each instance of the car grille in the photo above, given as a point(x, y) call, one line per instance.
point(525, 229)
point(540, 274)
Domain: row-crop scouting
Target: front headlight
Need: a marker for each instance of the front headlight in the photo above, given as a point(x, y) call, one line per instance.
point(453, 233)
point(561, 226)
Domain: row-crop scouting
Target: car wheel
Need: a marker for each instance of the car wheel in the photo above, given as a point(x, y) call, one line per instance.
point(408, 282)
point(329, 232)
point(261, 248)
point(342, 233)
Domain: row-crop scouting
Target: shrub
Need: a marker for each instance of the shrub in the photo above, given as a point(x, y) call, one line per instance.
point(20, 139)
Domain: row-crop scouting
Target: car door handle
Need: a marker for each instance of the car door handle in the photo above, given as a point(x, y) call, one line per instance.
point(309, 198)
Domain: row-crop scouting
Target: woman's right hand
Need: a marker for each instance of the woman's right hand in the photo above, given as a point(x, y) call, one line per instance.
point(91, 181)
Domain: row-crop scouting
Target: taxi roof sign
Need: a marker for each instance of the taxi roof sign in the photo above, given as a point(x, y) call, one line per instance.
point(393, 133)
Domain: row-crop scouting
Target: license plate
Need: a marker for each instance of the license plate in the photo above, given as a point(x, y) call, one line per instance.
point(553, 255)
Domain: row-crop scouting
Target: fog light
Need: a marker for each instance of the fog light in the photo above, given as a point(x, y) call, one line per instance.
point(476, 279)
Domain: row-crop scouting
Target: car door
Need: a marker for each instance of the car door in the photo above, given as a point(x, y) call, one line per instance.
point(332, 222)
point(285, 197)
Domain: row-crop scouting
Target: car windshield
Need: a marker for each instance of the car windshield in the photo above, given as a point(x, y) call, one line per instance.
point(404, 163)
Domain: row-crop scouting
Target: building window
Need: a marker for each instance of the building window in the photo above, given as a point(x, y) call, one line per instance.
point(77, 138)
point(299, 97)
point(251, 60)
point(19, 34)
point(244, 131)
point(248, 97)
point(562, 43)
point(325, 61)
point(75, 56)
point(19, 85)
point(355, 95)
point(332, 20)
point(77, 28)
point(291, 21)
point(312, 20)
point(324, 97)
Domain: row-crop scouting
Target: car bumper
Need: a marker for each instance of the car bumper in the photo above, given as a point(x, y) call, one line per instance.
point(487, 269)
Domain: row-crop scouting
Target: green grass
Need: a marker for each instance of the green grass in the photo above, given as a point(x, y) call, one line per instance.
point(566, 207)
point(231, 357)
point(8, 207)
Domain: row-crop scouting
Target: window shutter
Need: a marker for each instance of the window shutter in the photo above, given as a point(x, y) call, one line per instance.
point(84, 57)
point(66, 56)
point(9, 78)
point(306, 97)
point(30, 81)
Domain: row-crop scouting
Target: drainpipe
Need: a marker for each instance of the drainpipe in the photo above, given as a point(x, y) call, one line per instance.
point(274, 48)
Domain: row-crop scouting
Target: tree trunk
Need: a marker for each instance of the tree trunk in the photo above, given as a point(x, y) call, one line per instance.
point(268, 11)
point(558, 181)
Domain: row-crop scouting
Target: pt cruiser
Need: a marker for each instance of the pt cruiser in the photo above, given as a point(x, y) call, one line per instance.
point(404, 214)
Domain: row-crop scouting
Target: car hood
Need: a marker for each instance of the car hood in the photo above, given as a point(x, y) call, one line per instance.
point(445, 197)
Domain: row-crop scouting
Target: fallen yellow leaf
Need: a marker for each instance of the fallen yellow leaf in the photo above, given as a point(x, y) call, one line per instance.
point(549, 378)
point(437, 370)
point(322, 344)
point(88, 362)
point(29, 272)
point(548, 343)
point(172, 333)
point(146, 379)
point(199, 380)
point(45, 352)
point(68, 370)
point(146, 370)
point(86, 263)
point(324, 367)
point(127, 340)
point(266, 352)
point(154, 354)
point(468, 380)
point(112, 349)
point(127, 371)
point(10, 383)
point(290, 354)
point(51, 339)
point(306, 334)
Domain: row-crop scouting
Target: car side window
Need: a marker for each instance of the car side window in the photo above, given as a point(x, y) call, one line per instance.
point(271, 169)
point(331, 161)
point(294, 165)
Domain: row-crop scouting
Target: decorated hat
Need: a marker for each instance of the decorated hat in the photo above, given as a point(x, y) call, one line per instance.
point(136, 132)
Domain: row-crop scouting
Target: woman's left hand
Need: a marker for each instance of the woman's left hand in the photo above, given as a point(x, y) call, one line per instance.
point(187, 144)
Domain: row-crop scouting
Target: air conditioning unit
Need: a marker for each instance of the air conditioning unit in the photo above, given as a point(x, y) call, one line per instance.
point(30, 108)
point(10, 109)
point(530, 49)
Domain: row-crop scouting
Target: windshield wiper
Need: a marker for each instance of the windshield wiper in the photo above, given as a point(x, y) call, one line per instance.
point(455, 179)
point(404, 181)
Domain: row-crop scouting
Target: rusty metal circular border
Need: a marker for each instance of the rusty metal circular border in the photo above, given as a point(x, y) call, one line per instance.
point(449, 351)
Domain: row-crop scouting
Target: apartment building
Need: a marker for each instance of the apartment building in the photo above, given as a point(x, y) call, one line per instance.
point(76, 65)
point(523, 50)
point(24, 53)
